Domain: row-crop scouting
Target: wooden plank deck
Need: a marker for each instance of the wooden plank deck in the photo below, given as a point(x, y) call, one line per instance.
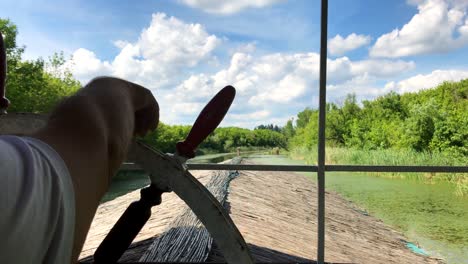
point(276, 213)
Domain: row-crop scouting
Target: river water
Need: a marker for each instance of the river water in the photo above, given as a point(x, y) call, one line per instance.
point(127, 181)
point(430, 215)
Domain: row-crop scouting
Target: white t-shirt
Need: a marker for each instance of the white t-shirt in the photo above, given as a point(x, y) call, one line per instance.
point(37, 203)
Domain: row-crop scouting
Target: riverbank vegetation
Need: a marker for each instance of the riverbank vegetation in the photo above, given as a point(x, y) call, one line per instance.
point(222, 140)
point(429, 127)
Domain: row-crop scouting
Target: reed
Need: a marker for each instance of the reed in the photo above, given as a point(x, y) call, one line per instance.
point(349, 156)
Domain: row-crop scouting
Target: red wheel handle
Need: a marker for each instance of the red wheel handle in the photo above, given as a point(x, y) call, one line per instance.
point(207, 121)
point(4, 103)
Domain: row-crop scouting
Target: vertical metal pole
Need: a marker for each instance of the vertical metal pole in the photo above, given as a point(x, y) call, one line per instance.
point(321, 138)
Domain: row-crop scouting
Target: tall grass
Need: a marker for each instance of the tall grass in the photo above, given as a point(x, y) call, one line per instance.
point(348, 156)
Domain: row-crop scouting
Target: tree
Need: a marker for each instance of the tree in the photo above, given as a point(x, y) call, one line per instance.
point(420, 125)
point(224, 139)
point(432, 120)
point(34, 86)
point(303, 117)
point(306, 136)
point(9, 32)
point(271, 127)
point(288, 130)
point(340, 120)
point(451, 134)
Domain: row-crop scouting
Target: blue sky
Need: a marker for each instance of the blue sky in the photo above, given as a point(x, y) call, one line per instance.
point(186, 50)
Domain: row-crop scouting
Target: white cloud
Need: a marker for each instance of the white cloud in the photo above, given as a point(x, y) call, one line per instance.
point(290, 87)
point(85, 64)
point(169, 40)
point(245, 48)
point(163, 49)
point(381, 68)
point(120, 44)
point(277, 86)
point(363, 86)
point(270, 88)
point(421, 81)
point(186, 108)
point(257, 115)
point(339, 45)
point(196, 87)
point(439, 26)
point(343, 69)
point(228, 7)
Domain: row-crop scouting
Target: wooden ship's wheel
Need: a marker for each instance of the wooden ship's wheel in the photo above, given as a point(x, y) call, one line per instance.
point(167, 173)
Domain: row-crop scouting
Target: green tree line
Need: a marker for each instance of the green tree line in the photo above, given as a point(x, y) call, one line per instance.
point(432, 120)
point(223, 139)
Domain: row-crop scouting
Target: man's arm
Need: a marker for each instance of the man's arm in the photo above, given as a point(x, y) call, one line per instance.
point(92, 131)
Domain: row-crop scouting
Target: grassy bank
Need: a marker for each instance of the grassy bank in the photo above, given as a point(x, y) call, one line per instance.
point(335, 155)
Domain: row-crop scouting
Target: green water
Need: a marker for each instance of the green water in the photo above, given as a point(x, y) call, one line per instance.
point(220, 157)
point(212, 158)
point(428, 214)
point(127, 181)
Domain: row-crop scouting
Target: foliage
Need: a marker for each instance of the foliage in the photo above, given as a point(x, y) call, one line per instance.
point(306, 134)
point(165, 136)
point(270, 127)
point(223, 139)
point(429, 127)
point(9, 32)
point(288, 130)
point(432, 120)
point(344, 155)
point(34, 85)
point(303, 117)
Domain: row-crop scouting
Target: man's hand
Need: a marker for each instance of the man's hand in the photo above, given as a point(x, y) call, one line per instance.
point(126, 110)
point(92, 131)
